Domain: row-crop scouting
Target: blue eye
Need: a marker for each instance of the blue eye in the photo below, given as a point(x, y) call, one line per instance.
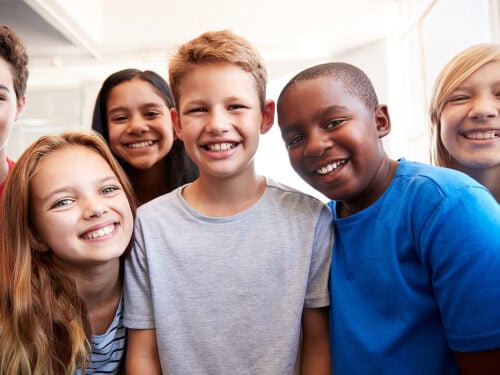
point(62, 202)
point(109, 189)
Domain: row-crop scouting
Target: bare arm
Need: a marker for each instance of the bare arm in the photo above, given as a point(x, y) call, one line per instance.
point(142, 353)
point(315, 356)
point(478, 363)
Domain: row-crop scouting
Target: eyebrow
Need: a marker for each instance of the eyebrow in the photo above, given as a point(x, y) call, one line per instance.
point(67, 188)
point(146, 105)
point(5, 88)
point(325, 111)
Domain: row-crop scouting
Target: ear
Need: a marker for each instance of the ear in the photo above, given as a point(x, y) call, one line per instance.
point(176, 123)
point(382, 120)
point(267, 116)
point(21, 102)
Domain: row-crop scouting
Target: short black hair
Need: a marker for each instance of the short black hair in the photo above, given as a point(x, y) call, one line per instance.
point(354, 80)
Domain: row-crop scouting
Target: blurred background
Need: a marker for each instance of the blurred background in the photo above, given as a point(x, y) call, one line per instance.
point(401, 44)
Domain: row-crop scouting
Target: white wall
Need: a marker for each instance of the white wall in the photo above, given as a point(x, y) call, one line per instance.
point(402, 67)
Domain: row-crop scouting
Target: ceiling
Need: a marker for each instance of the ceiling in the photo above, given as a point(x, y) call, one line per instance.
point(88, 39)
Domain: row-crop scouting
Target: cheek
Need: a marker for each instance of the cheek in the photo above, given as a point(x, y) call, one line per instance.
point(114, 133)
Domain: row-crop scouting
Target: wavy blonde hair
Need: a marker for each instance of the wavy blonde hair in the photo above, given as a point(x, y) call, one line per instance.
point(217, 47)
point(44, 326)
point(457, 70)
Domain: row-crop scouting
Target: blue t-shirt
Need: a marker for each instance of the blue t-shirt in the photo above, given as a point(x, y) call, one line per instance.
point(416, 276)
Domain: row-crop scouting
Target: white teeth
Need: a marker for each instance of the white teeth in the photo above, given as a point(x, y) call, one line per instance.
point(99, 233)
point(488, 134)
point(221, 146)
point(330, 167)
point(140, 144)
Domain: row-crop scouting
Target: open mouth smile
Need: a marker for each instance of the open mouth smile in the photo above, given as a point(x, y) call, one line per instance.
point(330, 167)
point(480, 135)
point(140, 144)
point(99, 233)
point(217, 147)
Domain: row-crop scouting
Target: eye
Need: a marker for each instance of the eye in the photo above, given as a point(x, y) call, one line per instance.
point(294, 141)
point(197, 110)
point(151, 114)
point(62, 203)
point(233, 107)
point(119, 118)
point(334, 123)
point(110, 189)
point(457, 98)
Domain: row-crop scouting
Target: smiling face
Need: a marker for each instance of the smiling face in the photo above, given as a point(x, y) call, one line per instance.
point(333, 139)
point(470, 121)
point(10, 106)
point(80, 210)
point(139, 124)
point(220, 118)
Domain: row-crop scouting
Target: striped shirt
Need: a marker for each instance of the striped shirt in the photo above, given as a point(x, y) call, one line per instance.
point(108, 349)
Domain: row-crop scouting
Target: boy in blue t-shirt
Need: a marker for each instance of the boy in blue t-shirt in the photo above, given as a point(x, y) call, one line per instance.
point(415, 269)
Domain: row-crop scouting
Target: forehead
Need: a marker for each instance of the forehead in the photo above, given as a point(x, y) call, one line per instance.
point(134, 89)
point(488, 72)
point(65, 161)
point(209, 77)
point(6, 78)
point(311, 96)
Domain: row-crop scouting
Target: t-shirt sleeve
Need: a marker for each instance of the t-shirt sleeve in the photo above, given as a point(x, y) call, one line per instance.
point(138, 302)
point(461, 250)
point(317, 294)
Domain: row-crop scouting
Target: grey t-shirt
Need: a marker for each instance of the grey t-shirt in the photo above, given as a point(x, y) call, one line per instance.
point(225, 295)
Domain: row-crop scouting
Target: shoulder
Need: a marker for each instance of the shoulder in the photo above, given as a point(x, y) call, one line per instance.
point(425, 178)
point(163, 202)
point(287, 202)
point(289, 195)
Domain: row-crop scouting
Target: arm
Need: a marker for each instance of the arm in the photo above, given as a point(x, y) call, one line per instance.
point(142, 353)
point(478, 363)
point(315, 356)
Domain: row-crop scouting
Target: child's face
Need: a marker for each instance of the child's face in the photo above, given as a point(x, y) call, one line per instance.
point(333, 138)
point(470, 122)
point(80, 210)
point(10, 109)
point(219, 118)
point(139, 124)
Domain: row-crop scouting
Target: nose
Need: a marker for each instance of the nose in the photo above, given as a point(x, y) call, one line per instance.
point(137, 125)
point(485, 106)
point(217, 122)
point(94, 208)
point(317, 144)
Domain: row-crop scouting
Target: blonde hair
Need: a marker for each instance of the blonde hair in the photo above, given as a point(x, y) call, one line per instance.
point(214, 47)
point(451, 76)
point(44, 326)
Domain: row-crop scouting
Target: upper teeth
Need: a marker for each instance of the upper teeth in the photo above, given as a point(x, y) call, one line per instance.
point(221, 146)
point(488, 134)
point(140, 144)
point(330, 167)
point(99, 233)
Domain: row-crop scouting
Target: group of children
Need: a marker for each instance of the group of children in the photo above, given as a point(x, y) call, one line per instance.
point(226, 271)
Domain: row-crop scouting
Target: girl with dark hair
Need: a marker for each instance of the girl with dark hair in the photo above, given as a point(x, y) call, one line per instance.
point(132, 113)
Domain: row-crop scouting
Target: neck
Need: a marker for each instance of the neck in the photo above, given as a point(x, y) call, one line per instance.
point(149, 183)
point(488, 177)
point(220, 197)
point(100, 289)
point(378, 185)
